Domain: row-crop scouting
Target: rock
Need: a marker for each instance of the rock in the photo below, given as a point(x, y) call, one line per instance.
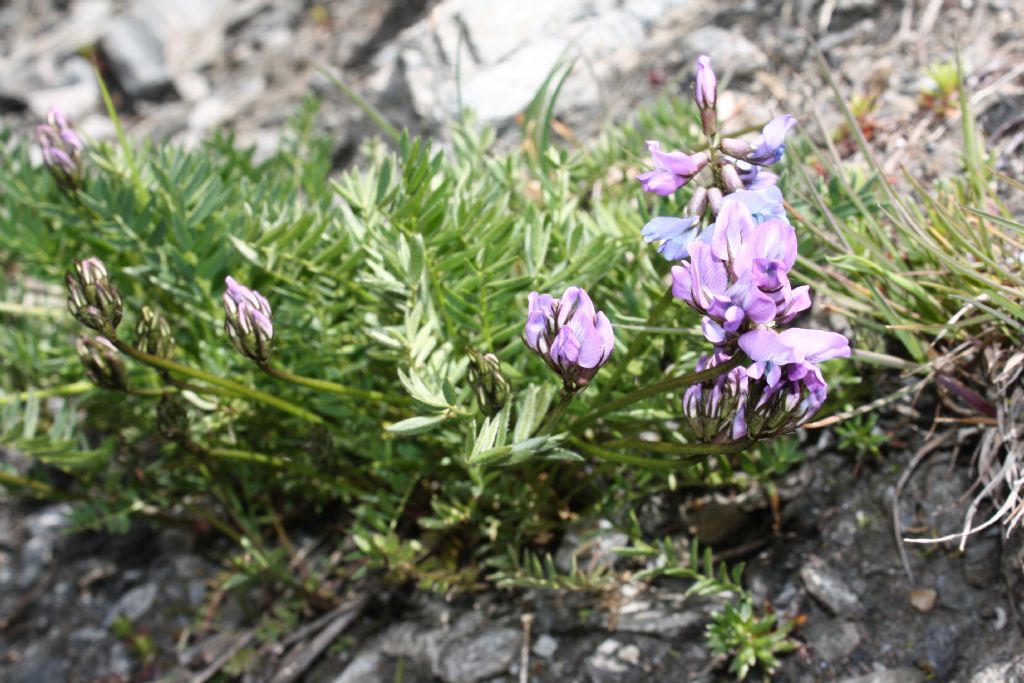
point(38, 663)
point(940, 648)
point(77, 95)
point(136, 55)
point(485, 654)
point(665, 614)
point(505, 51)
point(367, 667)
point(981, 561)
point(133, 604)
point(545, 646)
point(901, 675)
point(1011, 671)
point(605, 661)
point(923, 599)
point(43, 529)
point(590, 548)
point(833, 640)
point(730, 52)
point(715, 521)
point(829, 589)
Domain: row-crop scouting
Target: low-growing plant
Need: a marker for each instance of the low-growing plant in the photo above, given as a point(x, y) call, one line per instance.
point(269, 345)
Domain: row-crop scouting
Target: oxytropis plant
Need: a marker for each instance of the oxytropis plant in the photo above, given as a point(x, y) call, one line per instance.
point(735, 249)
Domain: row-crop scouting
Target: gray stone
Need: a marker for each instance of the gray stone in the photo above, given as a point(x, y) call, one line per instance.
point(136, 55)
point(545, 646)
point(1011, 671)
point(590, 547)
point(43, 529)
point(38, 663)
point(730, 51)
point(901, 675)
point(486, 654)
point(833, 640)
point(134, 604)
point(367, 667)
point(829, 589)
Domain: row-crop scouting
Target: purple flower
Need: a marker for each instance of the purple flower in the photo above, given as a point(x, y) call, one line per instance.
point(672, 169)
point(768, 149)
point(754, 177)
point(572, 338)
point(763, 204)
point(675, 234)
point(706, 88)
point(771, 350)
point(62, 149)
point(248, 321)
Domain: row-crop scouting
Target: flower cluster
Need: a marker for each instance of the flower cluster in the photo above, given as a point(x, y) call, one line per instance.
point(62, 149)
point(737, 249)
point(572, 338)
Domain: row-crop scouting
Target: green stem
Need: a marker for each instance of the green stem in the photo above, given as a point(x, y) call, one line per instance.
point(699, 452)
point(671, 448)
point(555, 415)
point(332, 387)
point(635, 344)
point(72, 389)
point(240, 389)
point(659, 388)
point(12, 308)
point(37, 487)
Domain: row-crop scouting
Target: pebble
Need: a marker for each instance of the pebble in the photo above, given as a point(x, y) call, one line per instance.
point(901, 675)
point(545, 646)
point(923, 599)
point(134, 604)
point(829, 589)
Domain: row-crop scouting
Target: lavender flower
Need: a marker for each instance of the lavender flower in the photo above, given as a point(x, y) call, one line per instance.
point(91, 298)
point(675, 234)
point(740, 278)
point(248, 321)
point(769, 147)
point(62, 149)
point(572, 338)
point(672, 169)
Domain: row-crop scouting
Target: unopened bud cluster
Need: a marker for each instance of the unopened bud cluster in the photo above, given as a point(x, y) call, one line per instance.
point(102, 361)
point(489, 384)
point(153, 334)
point(91, 298)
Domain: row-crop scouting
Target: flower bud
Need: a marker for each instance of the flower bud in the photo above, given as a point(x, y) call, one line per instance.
point(572, 338)
point(705, 89)
point(248, 322)
point(153, 334)
point(103, 364)
point(491, 388)
point(698, 202)
point(714, 409)
point(62, 149)
point(715, 199)
point(91, 298)
point(735, 148)
point(731, 181)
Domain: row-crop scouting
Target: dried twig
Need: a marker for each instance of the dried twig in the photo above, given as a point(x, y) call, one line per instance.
point(241, 640)
point(302, 657)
